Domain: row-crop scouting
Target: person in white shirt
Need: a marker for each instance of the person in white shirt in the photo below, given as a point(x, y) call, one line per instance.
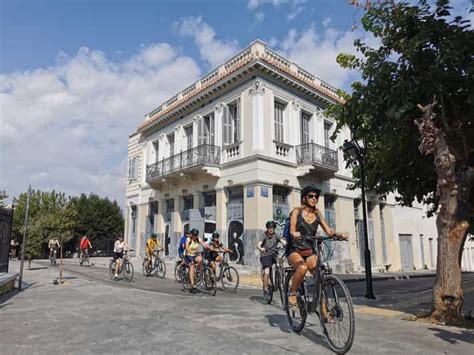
point(119, 247)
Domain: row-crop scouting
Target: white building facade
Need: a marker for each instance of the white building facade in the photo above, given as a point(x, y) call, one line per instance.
point(234, 150)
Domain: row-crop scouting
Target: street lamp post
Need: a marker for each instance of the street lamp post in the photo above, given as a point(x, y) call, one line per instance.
point(355, 151)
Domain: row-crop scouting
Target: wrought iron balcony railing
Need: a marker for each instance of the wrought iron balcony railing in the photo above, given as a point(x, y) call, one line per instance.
point(312, 153)
point(204, 154)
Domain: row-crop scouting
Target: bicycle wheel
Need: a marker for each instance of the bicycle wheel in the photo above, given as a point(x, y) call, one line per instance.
point(268, 295)
point(209, 281)
point(296, 317)
point(177, 272)
point(146, 268)
point(128, 271)
point(160, 268)
point(185, 281)
point(337, 314)
point(230, 279)
point(112, 270)
point(279, 285)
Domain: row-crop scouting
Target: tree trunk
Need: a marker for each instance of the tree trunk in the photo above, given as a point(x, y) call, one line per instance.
point(452, 220)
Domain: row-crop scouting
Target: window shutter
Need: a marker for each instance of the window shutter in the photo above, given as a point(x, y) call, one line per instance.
point(237, 122)
point(129, 169)
point(200, 132)
point(226, 127)
point(211, 129)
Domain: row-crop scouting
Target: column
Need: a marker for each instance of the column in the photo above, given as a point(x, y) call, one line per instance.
point(176, 229)
point(141, 225)
point(221, 215)
point(393, 246)
point(257, 92)
point(378, 236)
point(294, 198)
point(126, 232)
point(161, 225)
point(348, 255)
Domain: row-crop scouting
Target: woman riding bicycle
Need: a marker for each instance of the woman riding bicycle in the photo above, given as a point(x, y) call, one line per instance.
point(216, 247)
point(192, 257)
point(304, 222)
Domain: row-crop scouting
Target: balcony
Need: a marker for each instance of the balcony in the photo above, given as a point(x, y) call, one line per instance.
point(191, 214)
point(204, 154)
point(322, 158)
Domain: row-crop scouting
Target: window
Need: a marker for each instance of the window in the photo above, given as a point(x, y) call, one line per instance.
point(231, 123)
point(188, 131)
point(305, 119)
point(133, 168)
point(171, 143)
point(327, 134)
point(134, 219)
point(156, 150)
point(206, 130)
point(209, 199)
point(280, 194)
point(279, 123)
point(188, 202)
point(330, 210)
point(170, 205)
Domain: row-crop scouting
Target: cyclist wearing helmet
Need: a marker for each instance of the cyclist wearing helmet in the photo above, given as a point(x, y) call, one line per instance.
point(304, 222)
point(191, 255)
point(152, 247)
point(215, 247)
point(267, 245)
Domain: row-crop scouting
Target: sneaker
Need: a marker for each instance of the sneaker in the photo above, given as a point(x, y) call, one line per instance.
point(116, 276)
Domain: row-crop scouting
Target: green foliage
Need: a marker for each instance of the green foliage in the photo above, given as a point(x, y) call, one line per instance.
point(50, 215)
point(423, 54)
point(99, 218)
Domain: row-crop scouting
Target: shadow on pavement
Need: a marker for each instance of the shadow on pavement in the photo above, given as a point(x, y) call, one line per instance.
point(453, 337)
point(37, 268)
point(279, 320)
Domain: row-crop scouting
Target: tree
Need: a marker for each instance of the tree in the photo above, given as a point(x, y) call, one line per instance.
point(50, 215)
point(99, 218)
point(414, 106)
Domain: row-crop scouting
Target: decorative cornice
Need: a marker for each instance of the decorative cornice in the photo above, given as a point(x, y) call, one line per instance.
point(257, 88)
point(256, 52)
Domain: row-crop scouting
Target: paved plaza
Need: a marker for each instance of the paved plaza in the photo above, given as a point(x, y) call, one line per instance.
point(90, 313)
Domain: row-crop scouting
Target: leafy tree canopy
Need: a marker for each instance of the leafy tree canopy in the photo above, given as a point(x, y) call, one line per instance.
point(424, 55)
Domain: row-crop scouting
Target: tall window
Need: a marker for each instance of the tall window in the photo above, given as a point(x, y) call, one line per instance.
point(209, 199)
point(305, 119)
point(156, 150)
point(231, 123)
point(330, 210)
point(327, 134)
point(188, 202)
point(188, 131)
point(133, 168)
point(206, 130)
point(134, 219)
point(279, 122)
point(171, 143)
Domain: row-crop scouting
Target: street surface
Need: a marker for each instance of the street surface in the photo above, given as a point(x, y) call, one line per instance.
point(91, 313)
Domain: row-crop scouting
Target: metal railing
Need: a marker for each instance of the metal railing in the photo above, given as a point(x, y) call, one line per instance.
point(200, 155)
point(312, 153)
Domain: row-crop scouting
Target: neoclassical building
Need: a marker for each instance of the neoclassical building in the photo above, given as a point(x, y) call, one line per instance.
point(234, 150)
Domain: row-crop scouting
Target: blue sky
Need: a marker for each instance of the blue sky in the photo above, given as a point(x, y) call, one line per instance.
point(77, 76)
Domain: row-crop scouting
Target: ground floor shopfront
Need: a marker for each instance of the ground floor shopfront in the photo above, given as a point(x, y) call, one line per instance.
point(242, 199)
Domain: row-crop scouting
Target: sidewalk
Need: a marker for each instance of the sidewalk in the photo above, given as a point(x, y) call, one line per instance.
point(250, 275)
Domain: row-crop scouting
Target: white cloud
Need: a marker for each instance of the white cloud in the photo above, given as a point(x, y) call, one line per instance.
point(259, 17)
point(66, 127)
point(253, 4)
point(316, 51)
point(214, 51)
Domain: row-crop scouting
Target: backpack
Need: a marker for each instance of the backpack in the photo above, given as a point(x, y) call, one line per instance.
point(182, 244)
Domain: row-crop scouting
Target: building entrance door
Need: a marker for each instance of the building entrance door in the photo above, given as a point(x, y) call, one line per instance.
point(406, 252)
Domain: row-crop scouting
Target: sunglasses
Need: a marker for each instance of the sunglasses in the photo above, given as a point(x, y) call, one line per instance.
point(312, 196)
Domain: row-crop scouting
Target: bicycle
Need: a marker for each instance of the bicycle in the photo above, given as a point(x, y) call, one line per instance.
point(84, 259)
point(326, 300)
point(203, 274)
point(276, 279)
point(158, 268)
point(53, 257)
point(227, 275)
point(126, 268)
